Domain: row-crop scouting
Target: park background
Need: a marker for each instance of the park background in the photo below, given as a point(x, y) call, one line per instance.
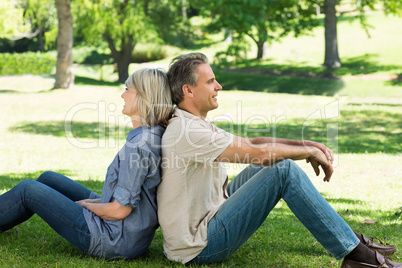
point(292, 90)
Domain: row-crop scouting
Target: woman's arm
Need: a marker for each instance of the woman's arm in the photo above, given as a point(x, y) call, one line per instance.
point(97, 200)
point(108, 211)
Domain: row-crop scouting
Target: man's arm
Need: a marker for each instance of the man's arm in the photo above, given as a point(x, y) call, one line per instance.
point(260, 140)
point(255, 151)
point(109, 211)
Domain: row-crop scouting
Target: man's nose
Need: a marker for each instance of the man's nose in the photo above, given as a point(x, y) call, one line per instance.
point(218, 86)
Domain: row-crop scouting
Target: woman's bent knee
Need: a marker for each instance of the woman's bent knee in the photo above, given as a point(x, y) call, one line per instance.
point(46, 176)
point(26, 186)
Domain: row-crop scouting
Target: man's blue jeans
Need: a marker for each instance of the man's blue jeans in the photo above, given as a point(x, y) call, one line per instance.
point(52, 197)
point(254, 192)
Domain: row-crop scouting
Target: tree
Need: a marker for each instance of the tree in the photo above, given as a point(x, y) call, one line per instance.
point(120, 23)
point(261, 20)
point(64, 73)
point(331, 58)
point(124, 23)
point(42, 16)
point(13, 24)
point(331, 38)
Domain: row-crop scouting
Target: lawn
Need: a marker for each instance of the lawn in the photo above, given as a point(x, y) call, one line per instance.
point(78, 132)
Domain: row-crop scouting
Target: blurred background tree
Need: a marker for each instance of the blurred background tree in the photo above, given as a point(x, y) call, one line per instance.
point(262, 21)
point(64, 72)
point(113, 31)
point(42, 17)
point(360, 7)
point(13, 24)
point(123, 24)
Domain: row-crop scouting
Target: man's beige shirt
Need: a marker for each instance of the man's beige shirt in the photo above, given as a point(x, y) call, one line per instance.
point(192, 187)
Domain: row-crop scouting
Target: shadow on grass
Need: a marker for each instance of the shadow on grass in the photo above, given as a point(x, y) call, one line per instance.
point(365, 131)
point(233, 80)
point(265, 76)
point(9, 180)
point(93, 130)
point(82, 80)
point(395, 82)
point(364, 64)
point(8, 91)
point(281, 241)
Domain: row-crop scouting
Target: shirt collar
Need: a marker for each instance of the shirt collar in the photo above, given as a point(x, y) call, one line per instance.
point(134, 133)
point(182, 113)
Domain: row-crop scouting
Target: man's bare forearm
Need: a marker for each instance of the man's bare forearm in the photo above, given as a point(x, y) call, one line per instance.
point(261, 140)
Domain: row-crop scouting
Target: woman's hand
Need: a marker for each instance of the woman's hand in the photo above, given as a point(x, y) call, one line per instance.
point(109, 211)
point(89, 201)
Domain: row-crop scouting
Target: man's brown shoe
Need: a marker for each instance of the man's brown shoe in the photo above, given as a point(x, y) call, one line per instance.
point(382, 263)
point(383, 250)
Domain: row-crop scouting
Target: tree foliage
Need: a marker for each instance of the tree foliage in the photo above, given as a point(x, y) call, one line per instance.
point(331, 57)
point(124, 23)
point(13, 23)
point(42, 16)
point(261, 20)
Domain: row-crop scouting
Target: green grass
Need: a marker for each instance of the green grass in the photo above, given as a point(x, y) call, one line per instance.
point(34, 140)
point(294, 64)
point(362, 117)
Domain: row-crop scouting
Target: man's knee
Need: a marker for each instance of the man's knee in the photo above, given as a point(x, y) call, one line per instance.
point(286, 168)
point(285, 164)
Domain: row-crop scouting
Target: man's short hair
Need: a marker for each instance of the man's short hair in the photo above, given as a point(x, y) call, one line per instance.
point(182, 71)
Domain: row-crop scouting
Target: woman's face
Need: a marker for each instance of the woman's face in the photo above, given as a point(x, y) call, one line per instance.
point(130, 107)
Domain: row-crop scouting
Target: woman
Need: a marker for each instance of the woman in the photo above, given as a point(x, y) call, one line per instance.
point(121, 223)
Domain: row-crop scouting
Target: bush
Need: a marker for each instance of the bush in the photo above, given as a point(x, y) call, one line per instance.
point(91, 55)
point(236, 53)
point(27, 63)
point(148, 52)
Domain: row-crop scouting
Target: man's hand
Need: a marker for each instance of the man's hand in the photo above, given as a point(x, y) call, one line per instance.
point(318, 159)
point(328, 152)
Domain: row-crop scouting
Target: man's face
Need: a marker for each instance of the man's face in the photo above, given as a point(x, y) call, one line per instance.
point(206, 91)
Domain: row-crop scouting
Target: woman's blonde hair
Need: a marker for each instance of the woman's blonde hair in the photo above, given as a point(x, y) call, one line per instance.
point(154, 100)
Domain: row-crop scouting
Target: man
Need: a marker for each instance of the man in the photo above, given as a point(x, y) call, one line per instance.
point(204, 219)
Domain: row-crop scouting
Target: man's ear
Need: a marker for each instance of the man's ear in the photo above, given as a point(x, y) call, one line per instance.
point(187, 91)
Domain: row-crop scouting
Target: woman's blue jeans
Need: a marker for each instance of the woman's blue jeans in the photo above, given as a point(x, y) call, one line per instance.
point(254, 192)
point(52, 197)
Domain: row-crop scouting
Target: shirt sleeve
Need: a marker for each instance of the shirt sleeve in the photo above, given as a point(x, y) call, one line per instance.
point(135, 166)
point(203, 144)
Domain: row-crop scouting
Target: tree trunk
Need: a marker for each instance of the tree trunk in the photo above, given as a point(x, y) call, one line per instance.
point(260, 50)
point(184, 9)
point(122, 57)
point(122, 68)
point(261, 41)
point(41, 40)
point(64, 73)
point(331, 41)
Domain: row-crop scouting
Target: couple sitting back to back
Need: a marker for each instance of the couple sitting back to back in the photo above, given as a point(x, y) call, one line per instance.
point(204, 218)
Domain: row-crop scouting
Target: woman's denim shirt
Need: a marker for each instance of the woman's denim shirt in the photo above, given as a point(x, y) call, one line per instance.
point(131, 180)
